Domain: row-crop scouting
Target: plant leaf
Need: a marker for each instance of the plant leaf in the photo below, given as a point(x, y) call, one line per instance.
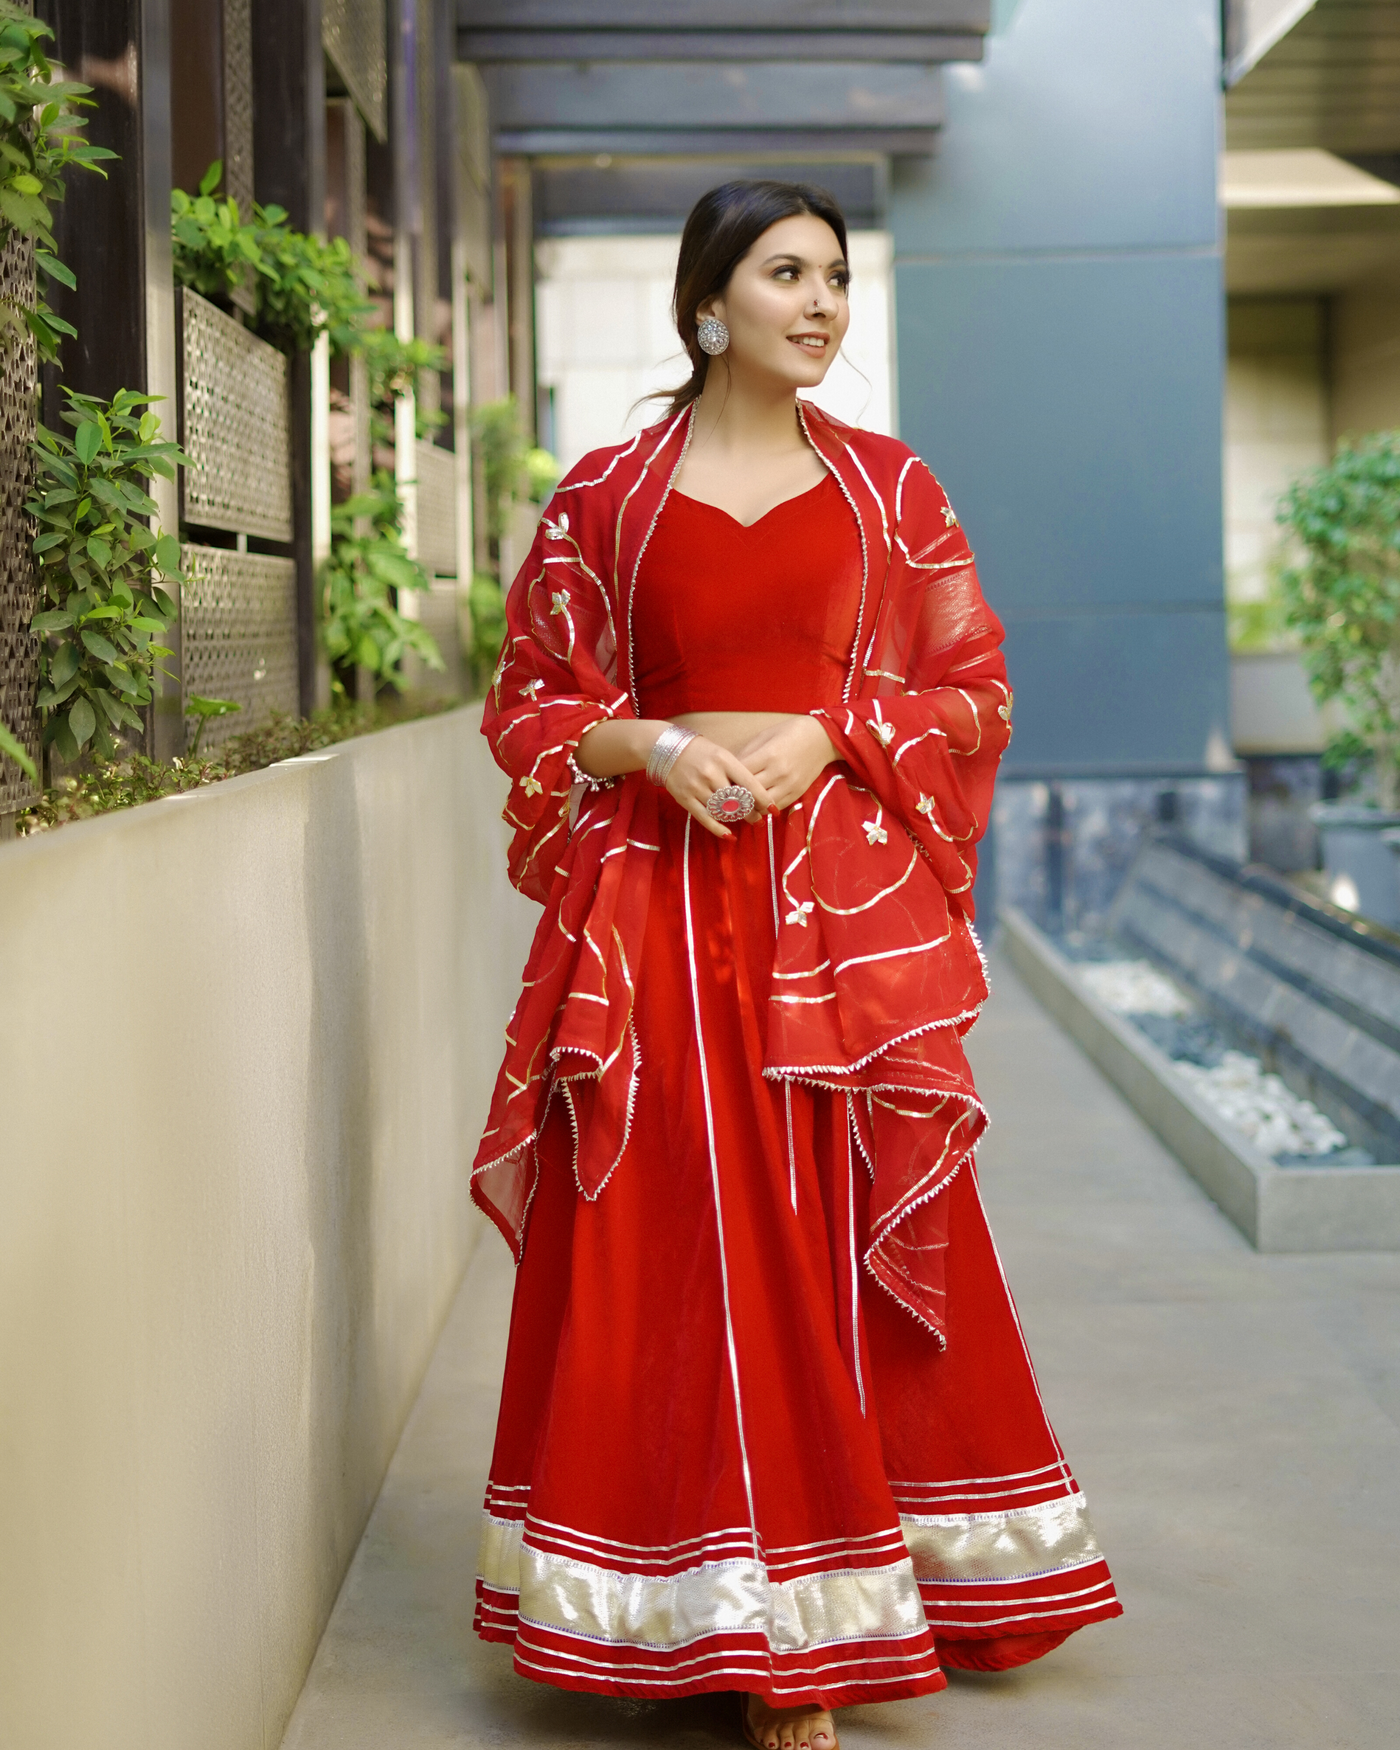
point(10, 747)
point(64, 665)
point(82, 720)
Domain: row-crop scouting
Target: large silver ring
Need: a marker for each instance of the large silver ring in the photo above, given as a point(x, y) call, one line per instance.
point(730, 803)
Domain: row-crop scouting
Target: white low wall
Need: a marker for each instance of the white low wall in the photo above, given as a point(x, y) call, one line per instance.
point(246, 1042)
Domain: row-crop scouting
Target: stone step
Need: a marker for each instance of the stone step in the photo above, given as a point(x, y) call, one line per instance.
point(1318, 999)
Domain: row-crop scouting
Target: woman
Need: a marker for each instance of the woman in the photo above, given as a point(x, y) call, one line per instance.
point(768, 1423)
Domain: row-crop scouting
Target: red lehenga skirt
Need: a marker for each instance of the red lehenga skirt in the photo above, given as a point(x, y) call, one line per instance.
point(726, 1458)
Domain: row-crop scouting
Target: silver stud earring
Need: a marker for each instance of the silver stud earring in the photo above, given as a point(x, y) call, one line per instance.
point(713, 336)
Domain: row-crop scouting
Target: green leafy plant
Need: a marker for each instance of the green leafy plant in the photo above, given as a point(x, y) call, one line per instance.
point(488, 609)
point(304, 286)
point(513, 468)
point(361, 622)
point(129, 782)
point(307, 286)
point(1343, 598)
point(1260, 624)
point(13, 749)
point(513, 471)
point(394, 368)
point(214, 249)
point(207, 710)
point(40, 138)
point(100, 569)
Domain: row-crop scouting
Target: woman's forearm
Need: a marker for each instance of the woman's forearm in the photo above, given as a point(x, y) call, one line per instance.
point(610, 749)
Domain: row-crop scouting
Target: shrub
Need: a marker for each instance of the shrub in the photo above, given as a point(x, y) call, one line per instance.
point(1343, 599)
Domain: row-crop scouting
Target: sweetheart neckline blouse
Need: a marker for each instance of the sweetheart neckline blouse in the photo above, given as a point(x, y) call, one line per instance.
point(772, 508)
point(732, 616)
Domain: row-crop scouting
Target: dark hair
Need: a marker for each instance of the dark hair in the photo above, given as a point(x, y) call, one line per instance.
point(723, 226)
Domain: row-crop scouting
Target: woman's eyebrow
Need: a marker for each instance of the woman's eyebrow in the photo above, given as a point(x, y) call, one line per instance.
point(801, 261)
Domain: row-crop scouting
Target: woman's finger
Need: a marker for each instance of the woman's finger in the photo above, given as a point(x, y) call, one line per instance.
point(692, 780)
point(699, 812)
point(739, 773)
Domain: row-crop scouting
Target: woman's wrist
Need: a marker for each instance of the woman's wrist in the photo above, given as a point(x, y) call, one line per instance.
point(612, 749)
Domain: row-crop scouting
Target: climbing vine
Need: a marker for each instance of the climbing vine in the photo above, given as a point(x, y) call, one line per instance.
point(101, 570)
point(303, 286)
point(40, 140)
point(362, 582)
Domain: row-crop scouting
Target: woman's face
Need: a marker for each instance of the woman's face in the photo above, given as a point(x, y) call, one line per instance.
point(785, 305)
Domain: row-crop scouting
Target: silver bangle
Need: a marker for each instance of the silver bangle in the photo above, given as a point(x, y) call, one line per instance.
point(587, 779)
point(666, 750)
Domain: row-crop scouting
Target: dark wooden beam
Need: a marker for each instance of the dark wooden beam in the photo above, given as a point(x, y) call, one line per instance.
point(101, 225)
point(628, 195)
point(289, 109)
point(289, 168)
point(796, 143)
point(482, 46)
point(761, 97)
point(973, 16)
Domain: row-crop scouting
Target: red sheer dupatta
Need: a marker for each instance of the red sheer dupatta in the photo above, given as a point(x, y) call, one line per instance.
point(877, 970)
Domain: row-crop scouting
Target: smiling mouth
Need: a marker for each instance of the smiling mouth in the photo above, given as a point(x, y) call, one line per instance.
point(810, 342)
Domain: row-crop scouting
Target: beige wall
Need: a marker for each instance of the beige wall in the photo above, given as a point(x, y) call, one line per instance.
point(1276, 426)
point(1365, 324)
point(246, 1040)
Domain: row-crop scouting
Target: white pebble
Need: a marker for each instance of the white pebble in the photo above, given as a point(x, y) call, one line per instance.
point(1275, 1120)
point(1133, 987)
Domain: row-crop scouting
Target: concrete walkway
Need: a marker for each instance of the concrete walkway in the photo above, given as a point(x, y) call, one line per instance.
point(1235, 1420)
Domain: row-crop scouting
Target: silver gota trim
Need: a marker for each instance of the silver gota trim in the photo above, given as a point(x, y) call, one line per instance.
point(1001, 1546)
point(727, 1597)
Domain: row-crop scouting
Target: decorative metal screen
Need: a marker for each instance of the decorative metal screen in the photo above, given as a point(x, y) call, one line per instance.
point(239, 633)
point(238, 103)
point(235, 426)
point(352, 34)
point(437, 509)
point(19, 649)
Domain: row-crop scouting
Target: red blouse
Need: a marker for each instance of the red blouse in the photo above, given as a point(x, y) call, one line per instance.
point(729, 618)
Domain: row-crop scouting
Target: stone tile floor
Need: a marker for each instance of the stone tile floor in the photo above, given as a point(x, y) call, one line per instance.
point(1235, 1420)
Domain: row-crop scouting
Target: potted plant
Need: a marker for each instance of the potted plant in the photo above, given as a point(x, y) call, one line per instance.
point(1342, 599)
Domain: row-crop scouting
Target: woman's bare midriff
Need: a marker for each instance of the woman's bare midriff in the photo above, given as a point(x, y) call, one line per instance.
point(733, 730)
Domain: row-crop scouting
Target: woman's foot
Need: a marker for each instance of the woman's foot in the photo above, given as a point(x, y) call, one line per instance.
point(794, 1728)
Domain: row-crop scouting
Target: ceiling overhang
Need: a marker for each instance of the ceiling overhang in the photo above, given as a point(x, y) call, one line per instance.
point(687, 107)
point(1332, 81)
point(717, 45)
point(631, 78)
point(1329, 83)
point(722, 30)
point(576, 197)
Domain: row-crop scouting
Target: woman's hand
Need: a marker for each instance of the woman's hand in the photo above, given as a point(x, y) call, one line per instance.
point(703, 767)
point(787, 758)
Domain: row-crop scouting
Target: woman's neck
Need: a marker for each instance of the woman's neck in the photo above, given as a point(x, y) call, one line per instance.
point(744, 417)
